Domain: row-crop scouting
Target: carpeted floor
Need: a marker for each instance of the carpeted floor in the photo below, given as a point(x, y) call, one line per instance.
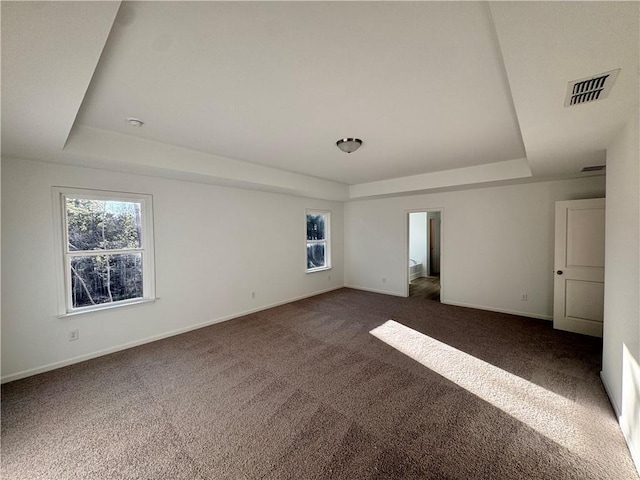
point(427, 288)
point(345, 385)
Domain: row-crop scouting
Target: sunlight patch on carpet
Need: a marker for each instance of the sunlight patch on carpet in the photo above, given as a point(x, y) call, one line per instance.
point(554, 416)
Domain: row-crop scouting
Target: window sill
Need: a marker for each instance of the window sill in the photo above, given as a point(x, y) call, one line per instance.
point(320, 269)
point(143, 301)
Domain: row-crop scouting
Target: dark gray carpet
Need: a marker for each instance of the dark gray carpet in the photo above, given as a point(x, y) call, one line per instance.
point(304, 391)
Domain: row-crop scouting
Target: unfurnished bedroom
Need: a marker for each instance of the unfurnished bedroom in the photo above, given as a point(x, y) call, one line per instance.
point(320, 240)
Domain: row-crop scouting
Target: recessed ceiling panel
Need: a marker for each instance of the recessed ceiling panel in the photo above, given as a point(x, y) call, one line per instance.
point(278, 83)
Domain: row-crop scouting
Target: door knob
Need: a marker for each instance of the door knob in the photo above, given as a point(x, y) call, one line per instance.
point(559, 272)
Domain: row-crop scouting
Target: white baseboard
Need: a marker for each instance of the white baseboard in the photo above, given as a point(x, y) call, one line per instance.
point(633, 449)
point(615, 406)
point(460, 304)
point(499, 310)
point(373, 290)
point(81, 358)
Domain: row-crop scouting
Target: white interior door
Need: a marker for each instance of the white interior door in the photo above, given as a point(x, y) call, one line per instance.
point(579, 266)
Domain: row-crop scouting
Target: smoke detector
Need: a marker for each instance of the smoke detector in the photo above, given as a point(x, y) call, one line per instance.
point(590, 89)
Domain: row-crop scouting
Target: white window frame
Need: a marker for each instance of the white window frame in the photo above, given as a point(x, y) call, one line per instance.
point(326, 241)
point(65, 304)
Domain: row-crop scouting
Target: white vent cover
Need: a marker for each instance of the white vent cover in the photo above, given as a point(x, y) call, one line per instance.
point(590, 89)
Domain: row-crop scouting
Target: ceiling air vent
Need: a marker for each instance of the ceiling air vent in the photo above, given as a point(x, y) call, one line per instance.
point(593, 168)
point(590, 89)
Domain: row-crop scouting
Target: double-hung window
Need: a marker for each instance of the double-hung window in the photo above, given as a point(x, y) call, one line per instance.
point(107, 249)
point(318, 240)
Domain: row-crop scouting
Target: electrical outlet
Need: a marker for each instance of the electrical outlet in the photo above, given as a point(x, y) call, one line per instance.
point(329, 277)
point(74, 335)
point(524, 297)
point(253, 295)
point(384, 280)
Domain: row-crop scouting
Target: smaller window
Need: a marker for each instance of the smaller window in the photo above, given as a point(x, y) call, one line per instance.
point(318, 241)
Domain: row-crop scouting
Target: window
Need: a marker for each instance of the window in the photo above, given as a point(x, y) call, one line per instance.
point(107, 249)
point(318, 241)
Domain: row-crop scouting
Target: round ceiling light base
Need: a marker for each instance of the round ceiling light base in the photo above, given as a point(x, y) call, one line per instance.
point(349, 145)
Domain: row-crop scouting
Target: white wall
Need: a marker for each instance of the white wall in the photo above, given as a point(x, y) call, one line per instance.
point(621, 352)
point(497, 243)
point(214, 245)
point(418, 239)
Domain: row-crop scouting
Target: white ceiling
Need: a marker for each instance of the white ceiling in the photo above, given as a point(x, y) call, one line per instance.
point(256, 93)
point(49, 53)
point(553, 43)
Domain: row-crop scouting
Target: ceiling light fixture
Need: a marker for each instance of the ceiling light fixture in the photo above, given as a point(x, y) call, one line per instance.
point(135, 122)
point(349, 145)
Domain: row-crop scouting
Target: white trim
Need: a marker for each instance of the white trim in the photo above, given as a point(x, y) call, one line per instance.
point(634, 452)
point(326, 241)
point(539, 316)
point(318, 269)
point(614, 405)
point(124, 346)
point(93, 253)
point(108, 306)
point(374, 290)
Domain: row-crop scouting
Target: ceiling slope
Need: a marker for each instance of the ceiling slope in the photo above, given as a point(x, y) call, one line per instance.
point(49, 53)
point(110, 150)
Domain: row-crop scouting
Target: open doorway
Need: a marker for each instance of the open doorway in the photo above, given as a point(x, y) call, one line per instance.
point(424, 254)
